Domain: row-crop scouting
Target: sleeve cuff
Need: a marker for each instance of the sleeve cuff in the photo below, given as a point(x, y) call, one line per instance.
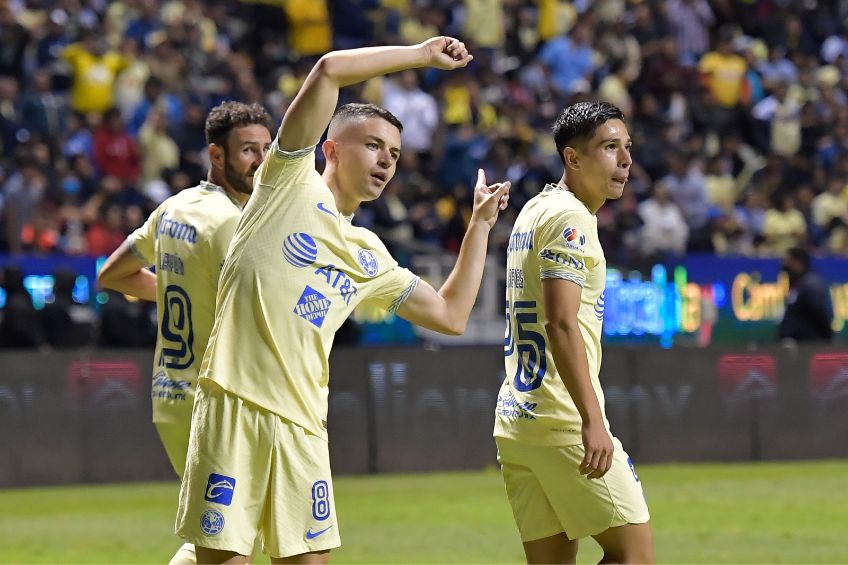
point(580, 281)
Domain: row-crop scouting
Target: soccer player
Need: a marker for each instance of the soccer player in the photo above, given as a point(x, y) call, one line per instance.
point(258, 455)
point(566, 476)
point(186, 239)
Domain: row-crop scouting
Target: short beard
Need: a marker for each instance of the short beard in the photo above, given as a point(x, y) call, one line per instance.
point(235, 180)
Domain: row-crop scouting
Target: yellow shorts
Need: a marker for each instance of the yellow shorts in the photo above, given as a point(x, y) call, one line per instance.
point(549, 496)
point(251, 472)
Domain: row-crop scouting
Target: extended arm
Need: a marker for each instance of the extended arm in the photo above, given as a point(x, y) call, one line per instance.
point(310, 112)
point(562, 301)
point(124, 272)
point(447, 311)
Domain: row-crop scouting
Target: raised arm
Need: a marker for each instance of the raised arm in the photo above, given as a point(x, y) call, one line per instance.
point(310, 112)
point(447, 310)
point(124, 272)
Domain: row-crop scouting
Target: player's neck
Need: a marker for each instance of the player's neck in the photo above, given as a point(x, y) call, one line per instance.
point(235, 195)
point(591, 201)
point(345, 205)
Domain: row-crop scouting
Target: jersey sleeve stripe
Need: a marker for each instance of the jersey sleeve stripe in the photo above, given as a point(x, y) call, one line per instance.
point(294, 154)
point(404, 295)
point(139, 255)
point(554, 274)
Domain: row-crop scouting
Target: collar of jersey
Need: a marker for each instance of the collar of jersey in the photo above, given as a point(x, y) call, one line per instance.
point(552, 188)
point(212, 187)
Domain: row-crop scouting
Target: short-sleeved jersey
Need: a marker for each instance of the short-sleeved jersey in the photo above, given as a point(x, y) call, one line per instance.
point(295, 271)
point(186, 239)
point(554, 236)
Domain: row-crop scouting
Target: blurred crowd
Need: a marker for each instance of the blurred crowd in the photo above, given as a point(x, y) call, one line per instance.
point(737, 109)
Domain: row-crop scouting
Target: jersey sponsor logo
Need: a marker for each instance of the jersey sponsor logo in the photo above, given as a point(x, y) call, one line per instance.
point(520, 241)
point(220, 489)
point(509, 407)
point(171, 262)
point(167, 227)
point(165, 387)
point(325, 209)
point(212, 522)
point(599, 307)
point(300, 249)
point(336, 278)
point(368, 262)
point(312, 306)
point(574, 238)
point(312, 535)
point(563, 259)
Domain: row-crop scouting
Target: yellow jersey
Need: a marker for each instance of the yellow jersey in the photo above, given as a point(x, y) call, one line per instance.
point(186, 239)
point(554, 236)
point(295, 271)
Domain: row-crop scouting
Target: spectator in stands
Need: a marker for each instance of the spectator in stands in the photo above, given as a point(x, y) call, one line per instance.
point(784, 226)
point(108, 232)
point(568, 61)
point(664, 231)
point(115, 151)
point(43, 112)
point(94, 67)
point(690, 21)
point(830, 213)
point(15, 40)
point(22, 193)
point(723, 71)
point(158, 151)
point(808, 312)
point(687, 189)
point(780, 116)
point(417, 111)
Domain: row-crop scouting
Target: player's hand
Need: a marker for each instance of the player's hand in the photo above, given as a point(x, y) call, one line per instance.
point(489, 199)
point(445, 53)
point(598, 445)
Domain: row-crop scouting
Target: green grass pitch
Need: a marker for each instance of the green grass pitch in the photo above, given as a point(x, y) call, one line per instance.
point(704, 513)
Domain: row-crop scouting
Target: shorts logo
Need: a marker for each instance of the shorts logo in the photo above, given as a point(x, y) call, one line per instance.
point(574, 238)
point(212, 522)
point(300, 250)
point(599, 307)
point(312, 535)
point(368, 262)
point(220, 489)
point(312, 306)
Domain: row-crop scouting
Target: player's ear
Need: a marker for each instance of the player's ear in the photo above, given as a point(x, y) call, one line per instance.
point(329, 149)
point(572, 159)
point(217, 155)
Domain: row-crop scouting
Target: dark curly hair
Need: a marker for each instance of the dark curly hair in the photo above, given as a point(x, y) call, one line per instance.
point(227, 116)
